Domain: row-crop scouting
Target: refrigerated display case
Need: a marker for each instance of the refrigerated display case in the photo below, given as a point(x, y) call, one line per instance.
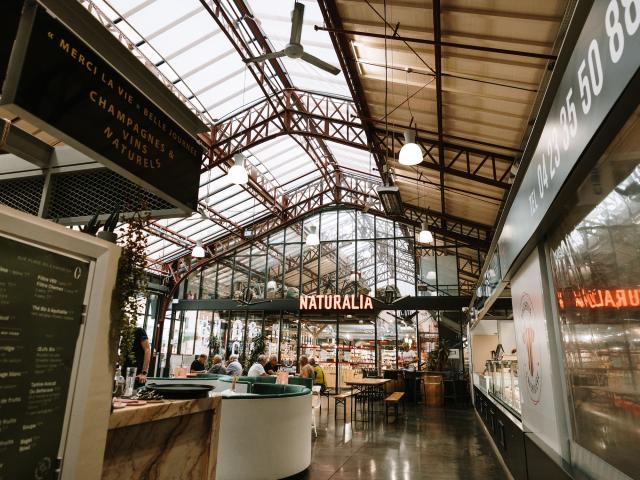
point(503, 385)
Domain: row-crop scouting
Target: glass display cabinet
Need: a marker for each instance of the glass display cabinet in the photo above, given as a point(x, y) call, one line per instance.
point(504, 382)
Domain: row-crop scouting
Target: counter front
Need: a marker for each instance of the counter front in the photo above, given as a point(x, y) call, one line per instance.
point(172, 439)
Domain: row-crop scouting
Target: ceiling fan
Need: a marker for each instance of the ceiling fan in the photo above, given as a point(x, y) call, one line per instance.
point(294, 48)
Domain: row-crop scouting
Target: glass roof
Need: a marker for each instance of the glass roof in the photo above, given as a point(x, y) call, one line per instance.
point(182, 42)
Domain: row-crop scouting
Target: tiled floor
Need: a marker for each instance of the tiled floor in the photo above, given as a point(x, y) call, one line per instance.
point(426, 444)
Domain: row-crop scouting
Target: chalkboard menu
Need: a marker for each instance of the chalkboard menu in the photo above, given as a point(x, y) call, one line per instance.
point(59, 82)
point(41, 307)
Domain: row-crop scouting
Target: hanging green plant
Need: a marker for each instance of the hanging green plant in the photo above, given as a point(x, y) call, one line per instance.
point(131, 284)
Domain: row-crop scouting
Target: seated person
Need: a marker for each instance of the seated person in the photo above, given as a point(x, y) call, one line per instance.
point(318, 375)
point(198, 364)
point(305, 369)
point(218, 367)
point(257, 369)
point(272, 365)
point(233, 367)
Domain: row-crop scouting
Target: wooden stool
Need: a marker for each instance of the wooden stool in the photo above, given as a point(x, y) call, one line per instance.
point(393, 399)
point(341, 399)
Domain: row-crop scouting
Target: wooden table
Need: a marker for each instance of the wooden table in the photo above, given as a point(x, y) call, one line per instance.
point(370, 388)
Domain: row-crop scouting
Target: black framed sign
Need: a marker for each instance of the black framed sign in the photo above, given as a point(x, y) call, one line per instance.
point(604, 60)
point(58, 82)
point(41, 306)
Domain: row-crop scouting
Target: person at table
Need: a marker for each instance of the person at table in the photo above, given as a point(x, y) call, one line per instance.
point(306, 371)
point(272, 365)
point(257, 369)
point(233, 367)
point(218, 367)
point(408, 356)
point(142, 356)
point(318, 375)
point(198, 364)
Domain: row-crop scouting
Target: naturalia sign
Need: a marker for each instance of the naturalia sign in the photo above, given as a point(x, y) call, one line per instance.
point(336, 302)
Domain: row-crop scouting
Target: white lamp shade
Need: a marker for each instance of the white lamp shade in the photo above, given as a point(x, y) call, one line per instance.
point(410, 153)
point(312, 236)
point(237, 173)
point(425, 235)
point(198, 251)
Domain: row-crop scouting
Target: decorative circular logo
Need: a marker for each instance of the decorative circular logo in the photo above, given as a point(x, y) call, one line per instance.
point(532, 349)
point(42, 469)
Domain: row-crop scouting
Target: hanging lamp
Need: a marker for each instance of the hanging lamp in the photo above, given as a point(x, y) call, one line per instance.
point(237, 173)
point(198, 250)
point(312, 237)
point(410, 153)
point(425, 235)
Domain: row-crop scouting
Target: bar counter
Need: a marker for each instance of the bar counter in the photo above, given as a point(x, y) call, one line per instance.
point(172, 439)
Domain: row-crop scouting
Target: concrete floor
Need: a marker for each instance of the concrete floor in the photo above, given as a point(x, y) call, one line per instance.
point(428, 443)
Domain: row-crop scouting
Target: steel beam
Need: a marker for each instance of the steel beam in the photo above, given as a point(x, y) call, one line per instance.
point(436, 42)
point(349, 67)
point(438, 72)
point(254, 37)
point(336, 119)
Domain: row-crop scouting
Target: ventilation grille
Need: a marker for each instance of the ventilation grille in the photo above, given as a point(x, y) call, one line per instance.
point(22, 193)
point(85, 193)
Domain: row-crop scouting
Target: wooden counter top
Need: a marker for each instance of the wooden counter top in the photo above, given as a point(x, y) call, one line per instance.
point(152, 412)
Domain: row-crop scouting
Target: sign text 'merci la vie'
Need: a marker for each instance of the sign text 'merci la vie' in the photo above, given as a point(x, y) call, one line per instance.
point(336, 302)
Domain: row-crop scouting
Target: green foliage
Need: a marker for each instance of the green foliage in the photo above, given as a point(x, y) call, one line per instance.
point(259, 347)
point(131, 282)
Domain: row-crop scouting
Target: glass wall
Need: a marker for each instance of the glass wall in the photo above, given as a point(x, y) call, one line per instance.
point(358, 253)
point(345, 346)
point(595, 266)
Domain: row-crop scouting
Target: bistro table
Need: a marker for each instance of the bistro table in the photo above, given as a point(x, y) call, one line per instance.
point(370, 389)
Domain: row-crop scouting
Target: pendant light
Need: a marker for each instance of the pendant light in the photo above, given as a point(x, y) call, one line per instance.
point(312, 237)
point(425, 235)
point(198, 251)
point(237, 173)
point(410, 153)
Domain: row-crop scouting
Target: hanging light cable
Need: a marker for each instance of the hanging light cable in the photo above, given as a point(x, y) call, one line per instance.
point(425, 235)
point(237, 174)
point(410, 153)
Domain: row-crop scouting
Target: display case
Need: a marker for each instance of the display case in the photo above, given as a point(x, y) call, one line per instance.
point(504, 383)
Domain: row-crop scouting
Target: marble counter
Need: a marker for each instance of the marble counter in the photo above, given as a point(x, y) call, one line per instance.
point(171, 440)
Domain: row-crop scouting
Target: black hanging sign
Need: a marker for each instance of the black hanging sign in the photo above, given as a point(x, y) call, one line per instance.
point(604, 59)
point(58, 82)
point(41, 306)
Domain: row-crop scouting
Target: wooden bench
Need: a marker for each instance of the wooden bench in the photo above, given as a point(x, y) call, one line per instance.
point(341, 399)
point(393, 400)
